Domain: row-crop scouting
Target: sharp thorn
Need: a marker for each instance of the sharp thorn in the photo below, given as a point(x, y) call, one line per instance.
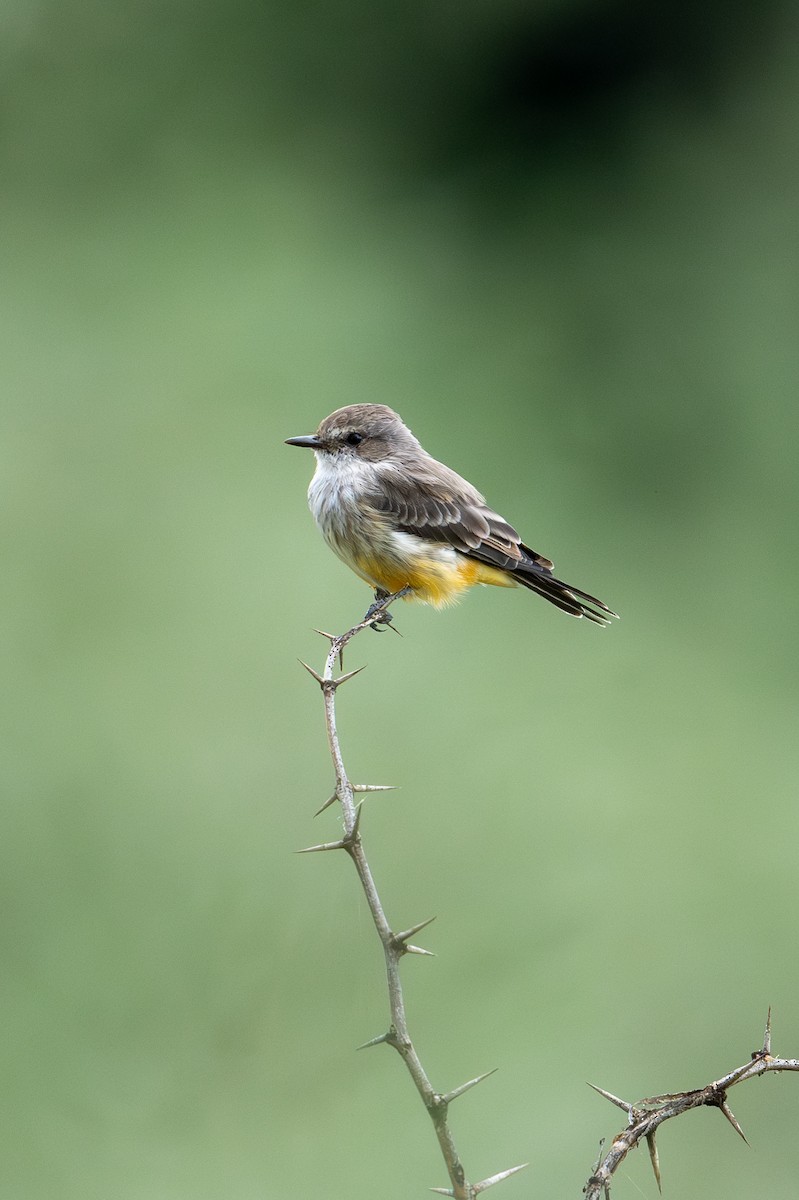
point(458, 1091)
point(352, 836)
point(409, 949)
point(443, 1191)
point(767, 1034)
point(340, 845)
point(374, 787)
point(331, 637)
point(653, 1158)
point(414, 929)
point(375, 1041)
point(349, 675)
point(326, 804)
point(311, 671)
point(622, 1104)
point(485, 1184)
point(728, 1113)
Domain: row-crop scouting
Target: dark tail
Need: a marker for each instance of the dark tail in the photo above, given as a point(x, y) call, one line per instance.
point(562, 595)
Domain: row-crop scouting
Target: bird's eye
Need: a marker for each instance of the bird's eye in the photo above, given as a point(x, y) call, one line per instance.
point(354, 439)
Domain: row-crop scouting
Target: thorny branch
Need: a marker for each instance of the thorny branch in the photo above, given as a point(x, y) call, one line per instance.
point(395, 944)
point(646, 1116)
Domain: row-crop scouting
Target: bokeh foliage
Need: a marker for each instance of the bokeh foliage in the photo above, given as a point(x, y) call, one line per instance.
point(561, 240)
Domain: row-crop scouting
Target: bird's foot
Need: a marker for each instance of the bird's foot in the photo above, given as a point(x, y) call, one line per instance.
point(378, 615)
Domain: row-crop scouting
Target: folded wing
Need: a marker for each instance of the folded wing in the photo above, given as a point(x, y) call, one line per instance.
point(458, 516)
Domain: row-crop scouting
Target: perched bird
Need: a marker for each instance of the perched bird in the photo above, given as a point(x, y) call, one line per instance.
point(404, 522)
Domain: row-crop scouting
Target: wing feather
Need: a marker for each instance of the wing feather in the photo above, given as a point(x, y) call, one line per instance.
point(454, 514)
point(441, 506)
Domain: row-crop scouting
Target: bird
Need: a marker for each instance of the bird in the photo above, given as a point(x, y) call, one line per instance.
point(407, 524)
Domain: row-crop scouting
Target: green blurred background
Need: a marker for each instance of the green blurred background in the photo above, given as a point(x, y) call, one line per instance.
point(561, 239)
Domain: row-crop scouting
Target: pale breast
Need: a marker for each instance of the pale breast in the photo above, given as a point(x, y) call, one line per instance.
point(352, 528)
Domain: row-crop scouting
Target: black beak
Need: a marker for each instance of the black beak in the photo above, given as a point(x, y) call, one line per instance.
point(311, 441)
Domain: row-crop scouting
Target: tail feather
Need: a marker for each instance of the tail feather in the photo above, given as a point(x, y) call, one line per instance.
point(564, 596)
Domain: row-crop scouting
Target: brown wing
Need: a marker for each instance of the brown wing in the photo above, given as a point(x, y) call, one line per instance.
point(447, 509)
point(457, 515)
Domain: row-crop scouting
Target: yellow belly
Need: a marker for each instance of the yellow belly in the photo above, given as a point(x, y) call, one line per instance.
point(433, 580)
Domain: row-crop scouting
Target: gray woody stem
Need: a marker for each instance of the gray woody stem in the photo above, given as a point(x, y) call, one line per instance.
point(395, 945)
point(644, 1117)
